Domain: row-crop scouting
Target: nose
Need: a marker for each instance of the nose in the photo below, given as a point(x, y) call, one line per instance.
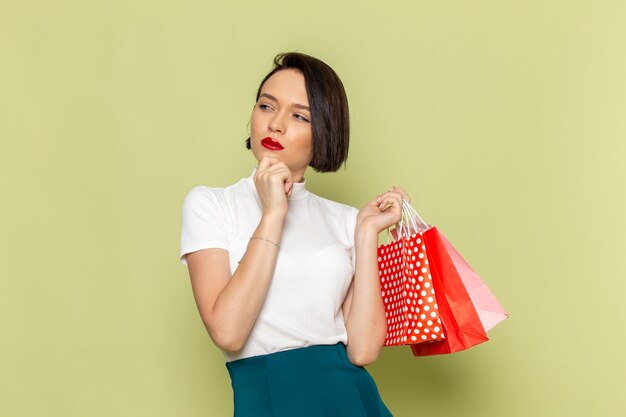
point(277, 123)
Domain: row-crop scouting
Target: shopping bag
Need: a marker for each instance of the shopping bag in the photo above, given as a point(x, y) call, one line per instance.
point(407, 291)
point(467, 308)
point(487, 305)
point(459, 317)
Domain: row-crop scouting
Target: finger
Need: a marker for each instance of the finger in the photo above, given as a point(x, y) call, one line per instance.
point(276, 163)
point(265, 163)
point(277, 166)
point(391, 194)
point(390, 199)
point(381, 197)
point(274, 168)
point(392, 206)
point(401, 191)
point(280, 173)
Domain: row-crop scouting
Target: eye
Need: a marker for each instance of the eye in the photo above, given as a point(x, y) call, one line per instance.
point(265, 107)
point(300, 117)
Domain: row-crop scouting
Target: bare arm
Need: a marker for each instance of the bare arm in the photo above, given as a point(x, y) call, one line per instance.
point(365, 321)
point(229, 305)
point(363, 308)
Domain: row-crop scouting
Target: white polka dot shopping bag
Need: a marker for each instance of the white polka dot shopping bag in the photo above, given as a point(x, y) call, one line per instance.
point(466, 308)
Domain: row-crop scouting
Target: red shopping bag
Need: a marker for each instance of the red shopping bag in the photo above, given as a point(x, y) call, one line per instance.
point(408, 293)
point(459, 317)
point(487, 306)
point(466, 307)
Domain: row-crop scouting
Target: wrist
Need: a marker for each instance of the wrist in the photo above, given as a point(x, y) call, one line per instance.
point(273, 220)
point(365, 231)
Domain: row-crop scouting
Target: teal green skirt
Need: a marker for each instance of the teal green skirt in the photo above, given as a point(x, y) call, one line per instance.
point(314, 381)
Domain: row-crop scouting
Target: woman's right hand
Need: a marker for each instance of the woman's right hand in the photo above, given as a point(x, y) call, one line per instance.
point(273, 181)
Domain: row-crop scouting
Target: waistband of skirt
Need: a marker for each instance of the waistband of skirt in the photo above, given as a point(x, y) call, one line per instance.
point(310, 354)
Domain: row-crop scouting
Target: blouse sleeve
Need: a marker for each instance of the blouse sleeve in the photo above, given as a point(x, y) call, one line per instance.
point(203, 224)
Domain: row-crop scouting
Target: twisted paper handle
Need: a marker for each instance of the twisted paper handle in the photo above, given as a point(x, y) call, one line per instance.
point(410, 223)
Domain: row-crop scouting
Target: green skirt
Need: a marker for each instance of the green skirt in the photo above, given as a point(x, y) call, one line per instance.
point(314, 381)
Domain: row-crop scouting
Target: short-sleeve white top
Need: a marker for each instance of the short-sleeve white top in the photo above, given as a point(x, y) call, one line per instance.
point(314, 268)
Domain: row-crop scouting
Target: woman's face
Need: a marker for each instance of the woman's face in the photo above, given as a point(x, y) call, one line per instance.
point(281, 122)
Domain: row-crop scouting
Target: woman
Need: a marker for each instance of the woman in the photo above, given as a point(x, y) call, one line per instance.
point(286, 282)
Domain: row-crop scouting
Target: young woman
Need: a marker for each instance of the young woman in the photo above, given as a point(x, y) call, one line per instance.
point(286, 282)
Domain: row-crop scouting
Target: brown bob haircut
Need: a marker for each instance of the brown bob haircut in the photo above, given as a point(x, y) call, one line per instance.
point(330, 120)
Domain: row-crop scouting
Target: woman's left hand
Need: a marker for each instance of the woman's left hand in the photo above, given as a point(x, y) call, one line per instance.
point(383, 211)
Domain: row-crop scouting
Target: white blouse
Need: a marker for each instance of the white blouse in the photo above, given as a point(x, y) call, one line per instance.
point(314, 268)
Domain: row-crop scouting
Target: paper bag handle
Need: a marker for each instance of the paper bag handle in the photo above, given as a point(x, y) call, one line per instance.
point(409, 223)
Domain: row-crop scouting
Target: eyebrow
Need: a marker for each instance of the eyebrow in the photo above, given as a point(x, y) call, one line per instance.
point(271, 97)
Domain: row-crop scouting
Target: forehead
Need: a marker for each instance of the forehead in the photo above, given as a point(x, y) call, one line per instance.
point(287, 85)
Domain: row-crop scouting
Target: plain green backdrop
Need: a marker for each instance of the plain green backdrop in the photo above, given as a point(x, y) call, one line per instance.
point(504, 120)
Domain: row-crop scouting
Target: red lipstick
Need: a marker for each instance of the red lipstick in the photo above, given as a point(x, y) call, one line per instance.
point(272, 144)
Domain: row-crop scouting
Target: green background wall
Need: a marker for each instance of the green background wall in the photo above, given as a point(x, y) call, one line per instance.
point(505, 121)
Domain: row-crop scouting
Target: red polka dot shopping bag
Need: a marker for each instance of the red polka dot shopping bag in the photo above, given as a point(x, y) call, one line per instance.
point(407, 288)
point(466, 308)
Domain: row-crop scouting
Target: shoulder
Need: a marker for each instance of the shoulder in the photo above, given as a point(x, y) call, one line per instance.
point(204, 202)
point(204, 195)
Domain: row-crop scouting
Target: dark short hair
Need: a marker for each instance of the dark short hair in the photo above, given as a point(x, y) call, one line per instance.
point(330, 120)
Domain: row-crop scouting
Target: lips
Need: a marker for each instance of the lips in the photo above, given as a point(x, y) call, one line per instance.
point(271, 144)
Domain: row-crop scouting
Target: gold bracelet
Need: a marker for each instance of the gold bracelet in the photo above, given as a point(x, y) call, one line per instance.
point(262, 238)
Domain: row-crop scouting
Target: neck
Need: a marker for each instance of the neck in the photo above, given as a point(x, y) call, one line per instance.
point(298, 175)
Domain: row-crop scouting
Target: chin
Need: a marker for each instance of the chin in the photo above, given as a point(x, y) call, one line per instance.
point(260, 152)
point(275, 154)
